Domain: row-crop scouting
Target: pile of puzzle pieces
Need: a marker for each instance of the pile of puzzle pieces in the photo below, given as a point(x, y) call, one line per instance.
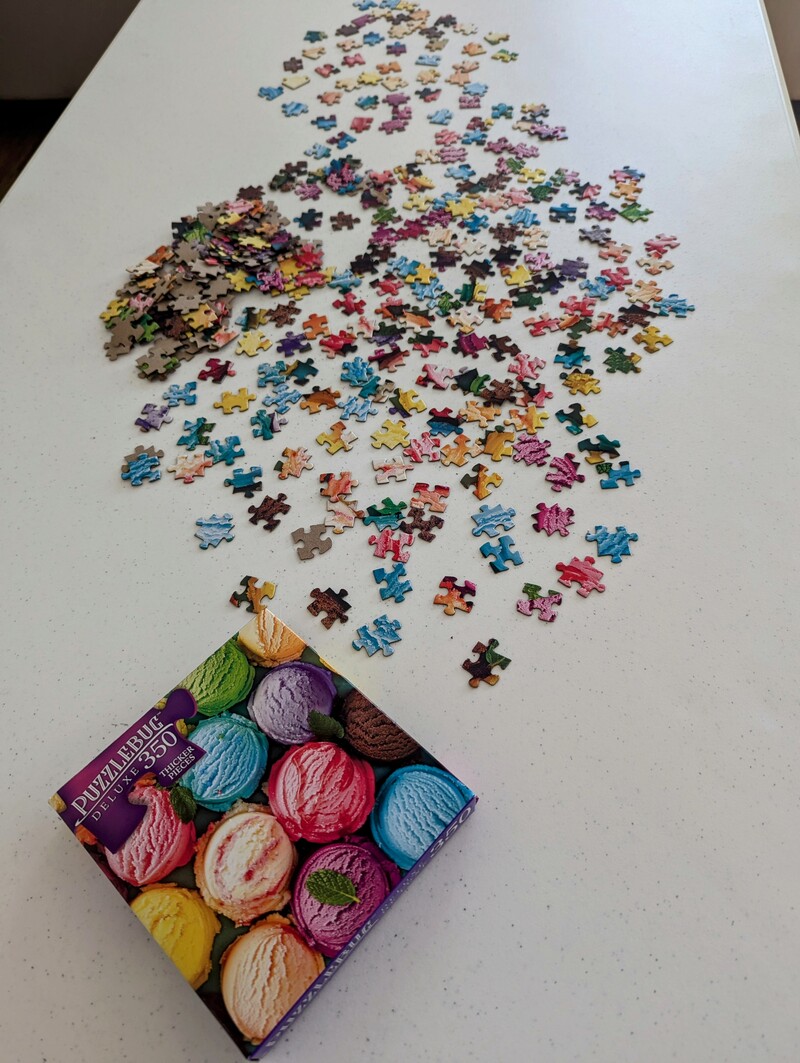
point(442, 341)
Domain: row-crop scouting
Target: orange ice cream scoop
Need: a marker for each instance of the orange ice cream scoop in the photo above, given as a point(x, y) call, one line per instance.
point(320, 792)
point(263, 973)
point(159, 844)
point(267, 641)
point(244, 863)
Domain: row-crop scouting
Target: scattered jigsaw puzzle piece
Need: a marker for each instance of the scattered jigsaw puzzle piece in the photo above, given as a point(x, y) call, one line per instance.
point(268, 511)
point(338, 437)
point(152, 417)
point(253, 593)
point(383, 635)
point(311, 541)
point(624, 474)
point(455, 595)
point(342, 514)
point(502, 553)
point(612, 544)
point(552, 519)
point(491, 518)
point(188, 467)
point(214, 529)
point(391, 469)
point(334, 604)
point(397, 587)
point(543, 604)
point(386, 542)
point(142, 464)
point(337, 485)
point(583, 573)
point(235, 400)
point(294, 463)
point(481, 480)
point(481, 669)
point(246, 483)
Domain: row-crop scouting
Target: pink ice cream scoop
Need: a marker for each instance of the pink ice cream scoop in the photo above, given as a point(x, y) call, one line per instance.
point(159, 844)
point(281, 702)
point(328, 924)
point(320, 793)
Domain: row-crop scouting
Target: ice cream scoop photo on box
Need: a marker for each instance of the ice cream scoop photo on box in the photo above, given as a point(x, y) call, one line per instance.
point(258, 821)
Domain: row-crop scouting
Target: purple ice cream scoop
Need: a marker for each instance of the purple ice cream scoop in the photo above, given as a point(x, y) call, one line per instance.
point(281, 702)
point(329, 926)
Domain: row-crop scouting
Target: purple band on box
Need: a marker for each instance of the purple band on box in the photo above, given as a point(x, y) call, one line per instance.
point(98, 795)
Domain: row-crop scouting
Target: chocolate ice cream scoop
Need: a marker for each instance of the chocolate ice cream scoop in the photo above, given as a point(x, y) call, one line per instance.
point(371, 732)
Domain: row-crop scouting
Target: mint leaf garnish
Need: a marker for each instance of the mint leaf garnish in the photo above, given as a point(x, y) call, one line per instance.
point(330, 887)
point(324, 726)
point(183, 803)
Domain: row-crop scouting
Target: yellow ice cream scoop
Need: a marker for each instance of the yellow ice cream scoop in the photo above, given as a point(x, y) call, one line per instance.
point(267, 641)
point(182, 924)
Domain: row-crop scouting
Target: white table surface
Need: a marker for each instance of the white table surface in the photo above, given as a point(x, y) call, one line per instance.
point(628, 887)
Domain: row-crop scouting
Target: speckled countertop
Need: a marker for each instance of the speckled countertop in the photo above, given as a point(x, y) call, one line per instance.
point(627, 888)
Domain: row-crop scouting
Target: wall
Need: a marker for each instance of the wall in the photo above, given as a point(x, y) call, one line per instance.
point(784, 15)
point(47, 47)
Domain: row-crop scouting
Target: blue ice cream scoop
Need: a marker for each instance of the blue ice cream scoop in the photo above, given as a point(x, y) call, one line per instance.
point(234, 764)
point(413, 807)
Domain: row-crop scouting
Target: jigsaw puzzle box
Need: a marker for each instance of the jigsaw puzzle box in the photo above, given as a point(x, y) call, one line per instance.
point(259, 820)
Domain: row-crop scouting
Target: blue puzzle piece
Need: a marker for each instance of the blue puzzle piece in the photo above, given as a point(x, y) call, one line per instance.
point(624, 473)
point(396, 587)
point(612, 544)
point(357, 373)
point(383, 635)
point(563, 212)
point(491, 518)
point(266, 425)
point(214, 529)
point(195, 433)
point(282, 397)
point(143, 466)
point(672, 304)
point(271, 374)
point(175, 394)
point(502, 553)
point(359, 408)
point(229, 451)
point(246, 483)
point(571, 357)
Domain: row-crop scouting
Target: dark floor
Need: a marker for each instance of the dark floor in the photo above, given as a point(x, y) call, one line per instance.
point(25, 123)
point(23, 126)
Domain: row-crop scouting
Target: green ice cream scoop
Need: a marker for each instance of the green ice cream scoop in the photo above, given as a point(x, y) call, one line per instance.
point(221, 681)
